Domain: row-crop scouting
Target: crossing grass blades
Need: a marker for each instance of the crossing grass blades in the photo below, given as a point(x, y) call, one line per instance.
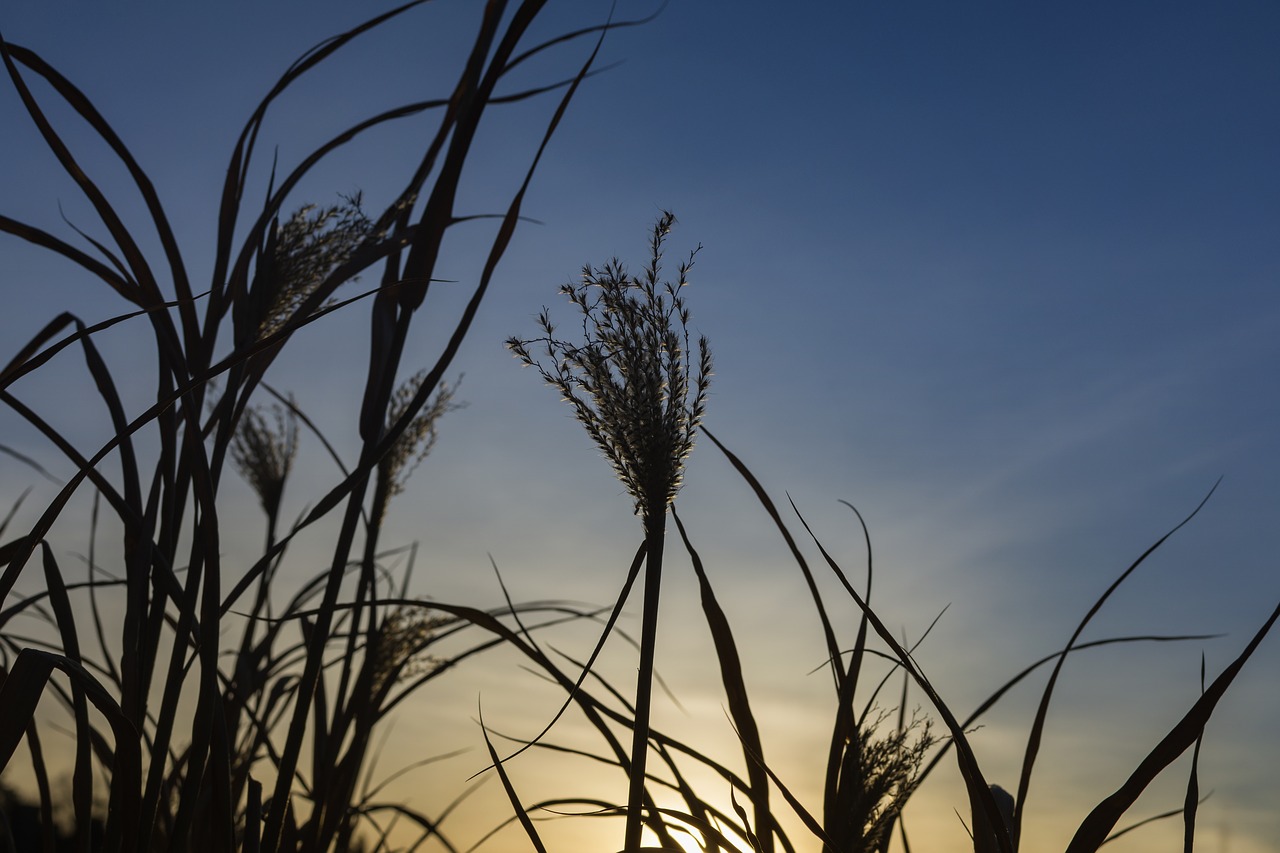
point(197, 719)
point(208, 687)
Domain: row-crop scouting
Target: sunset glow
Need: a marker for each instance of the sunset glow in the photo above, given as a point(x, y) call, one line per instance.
point(998, 282)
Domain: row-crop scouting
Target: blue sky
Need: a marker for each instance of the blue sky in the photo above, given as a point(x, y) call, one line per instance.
point(1004, 276)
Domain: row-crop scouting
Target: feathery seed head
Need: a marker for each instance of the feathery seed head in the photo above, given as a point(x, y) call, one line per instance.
point(883, 770)
point(399, 648)
point(264, 454)
point(418, 438)
point(310, 245)
point(629, 379)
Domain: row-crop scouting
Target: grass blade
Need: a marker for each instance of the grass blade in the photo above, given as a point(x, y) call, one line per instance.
point(1103, 818)
point(85, 108)
point(19, 695)
point(735, 689)
point(497, 764)
point(1192, 799)
point(833, 648)
point(1013, 682)
point(1037, 726)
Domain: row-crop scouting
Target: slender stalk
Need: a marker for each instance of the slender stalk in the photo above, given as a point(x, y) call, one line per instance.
point(655, 536)
point(279, 807)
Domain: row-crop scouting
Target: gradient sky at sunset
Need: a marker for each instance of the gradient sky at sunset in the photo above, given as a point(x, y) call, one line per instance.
point(1005, 276)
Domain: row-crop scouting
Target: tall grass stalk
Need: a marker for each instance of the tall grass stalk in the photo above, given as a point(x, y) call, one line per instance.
point(634, 385)
point(181, 771)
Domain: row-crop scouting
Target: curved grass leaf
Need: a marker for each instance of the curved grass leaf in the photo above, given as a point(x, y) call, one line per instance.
point(21, 691)
point(1093, 831)
point(735, 691)
point(521, 813)
point(1042, 710)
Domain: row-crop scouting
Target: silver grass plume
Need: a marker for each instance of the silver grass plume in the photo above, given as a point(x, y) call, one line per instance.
point(263, 453)
point(886, 770)
point(631, 381)
point(417, 440)
point(306, 248)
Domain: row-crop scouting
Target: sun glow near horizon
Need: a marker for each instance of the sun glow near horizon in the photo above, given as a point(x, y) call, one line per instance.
point(1003, 278)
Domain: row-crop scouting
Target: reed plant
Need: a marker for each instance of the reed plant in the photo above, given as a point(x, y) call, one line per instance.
point(262, 743)
point(242, 718)
point(635, 386)
point(628, 383)
point(873, 766)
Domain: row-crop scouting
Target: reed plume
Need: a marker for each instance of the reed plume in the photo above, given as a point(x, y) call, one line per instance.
point(633, 385)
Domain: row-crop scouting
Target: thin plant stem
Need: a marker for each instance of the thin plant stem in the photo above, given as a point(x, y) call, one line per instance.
point(655, 536)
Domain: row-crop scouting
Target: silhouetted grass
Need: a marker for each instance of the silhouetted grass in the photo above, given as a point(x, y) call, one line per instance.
point(295, 700)
point(873, 770)
point(632, 385)
point(212, 687)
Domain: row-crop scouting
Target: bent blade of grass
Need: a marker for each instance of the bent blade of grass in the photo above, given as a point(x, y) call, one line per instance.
point(1042, 711)
point(30, 358)
point(82, 776)
point(573, 35)
point(13, 511)
point(85, 108)
point(21, 691)
point(430, 828)
point(860, 643)
point(846, 733)
point(1119, 833)
point(521, 813)
point(21, 499)
point(102, 248)
point(1192, 800)
point(45, 240)
point(980, 797)
point(369, 790)
point(999, 694)
point(1188, 730)
point(833, 649)
point(147, 292)
point(735, 689)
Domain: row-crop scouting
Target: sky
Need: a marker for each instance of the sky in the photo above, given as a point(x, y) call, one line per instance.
point(1001, 275)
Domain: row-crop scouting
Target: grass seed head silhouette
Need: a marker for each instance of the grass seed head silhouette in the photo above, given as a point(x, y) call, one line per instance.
point(302, 252)
point(631, 381)
point(417, 439)
point(264, 454)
